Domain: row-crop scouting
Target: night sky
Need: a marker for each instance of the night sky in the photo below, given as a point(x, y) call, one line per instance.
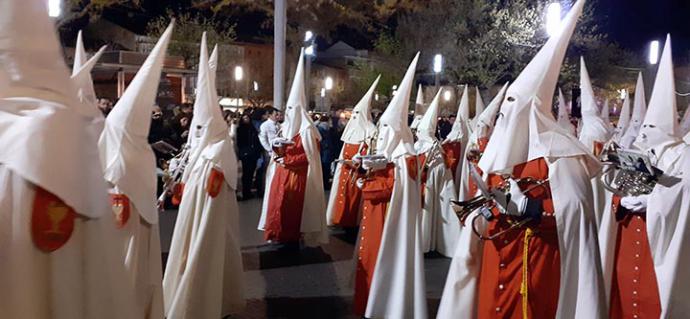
point(633, 23)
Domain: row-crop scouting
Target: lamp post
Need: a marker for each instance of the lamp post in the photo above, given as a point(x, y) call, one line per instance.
point(239, 74)
point(553, 18)
point(438, 67)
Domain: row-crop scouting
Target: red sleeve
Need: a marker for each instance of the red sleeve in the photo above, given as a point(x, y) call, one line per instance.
point(380, 185)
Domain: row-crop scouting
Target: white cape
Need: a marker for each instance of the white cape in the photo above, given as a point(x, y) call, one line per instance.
point(581, 292)
point(313, 224)
point(440, 226)
point(668, 210)
point(82, 279)
point(204, 276)
point(398, 289)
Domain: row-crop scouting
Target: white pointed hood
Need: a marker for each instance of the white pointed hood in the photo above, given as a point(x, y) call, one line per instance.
point(208, 126)
point(426, 131)
point(81, 75)
point(660, 126)
point(213, 64)
point(128, 161)
point(419, 108)
point(685, 122)
point(296, 117)
point(45, 138)
point(360, 127)
point(526, 119)
point(461, 127)
point(606, 113)
point(392, 126)
point(563, 116)
point(594, 129)
point(623, 117)
point(478, 107)
point(487, 119)
point(638, 114)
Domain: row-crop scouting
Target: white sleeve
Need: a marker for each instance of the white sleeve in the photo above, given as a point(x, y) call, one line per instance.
point(263, 137)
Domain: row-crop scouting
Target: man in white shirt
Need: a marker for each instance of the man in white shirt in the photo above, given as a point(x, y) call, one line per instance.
point(269, 129)
point(267, 132)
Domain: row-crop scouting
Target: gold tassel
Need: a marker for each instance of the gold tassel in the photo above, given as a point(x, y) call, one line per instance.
point(525, 277)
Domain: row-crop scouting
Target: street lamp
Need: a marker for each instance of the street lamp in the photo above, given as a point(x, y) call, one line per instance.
point(309, 51)
point(308, 35)
point(654, 52)
point(239, 73)
point(553, 18)
point(256, 86)
point(447, 95)
point(438, 67)
point(54, 8)
point(328, 83)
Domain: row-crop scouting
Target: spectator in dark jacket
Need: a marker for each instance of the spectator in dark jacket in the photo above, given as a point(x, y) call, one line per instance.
point(249, 149)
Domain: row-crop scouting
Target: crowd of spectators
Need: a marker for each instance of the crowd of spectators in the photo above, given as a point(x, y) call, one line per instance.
point(252, 128)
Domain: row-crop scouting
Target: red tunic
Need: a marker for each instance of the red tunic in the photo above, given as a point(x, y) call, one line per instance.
point(453, 150)
point(376, 195)
point(501, 294)
point(284, 215)
point(347, 205)
point(634, 290)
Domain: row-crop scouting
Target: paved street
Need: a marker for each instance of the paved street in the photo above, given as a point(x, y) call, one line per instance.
point(311, 283)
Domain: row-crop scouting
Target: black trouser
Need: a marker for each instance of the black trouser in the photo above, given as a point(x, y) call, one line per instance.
point(261, 174)
point(248, 169)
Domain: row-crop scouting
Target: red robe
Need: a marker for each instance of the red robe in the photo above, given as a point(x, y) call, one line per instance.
point(284, 214)
point(347, 205)
point(453, 151)
point(501, 290)
point(634, 290)
point(376, 194)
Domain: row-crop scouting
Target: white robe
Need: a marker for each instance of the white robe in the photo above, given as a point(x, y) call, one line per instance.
point(80, 280)
point(141, 254)
point(204, 276)
point(313, 224)
point(398, 289)
point(440, 226)
point(581, 291)
point(668, 208)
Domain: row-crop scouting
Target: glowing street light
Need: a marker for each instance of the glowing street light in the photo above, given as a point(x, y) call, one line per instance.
point(447, 94)
point(553, 18)
point(54, 8)
point(376, 96)
point(323, 92)
point(256, 86)
point(438, 63)
point(328, 83)
point(309, 50)
point(239, 73)
point(308, 35)
point(654, 52)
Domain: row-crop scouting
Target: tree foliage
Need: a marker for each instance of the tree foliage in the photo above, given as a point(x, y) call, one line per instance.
point(188, 30)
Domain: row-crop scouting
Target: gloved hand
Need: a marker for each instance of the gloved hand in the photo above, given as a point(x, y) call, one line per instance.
point(513, 203)
point(360, 183)
point(635, 204)
point(374, 164)
point(280, 142)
